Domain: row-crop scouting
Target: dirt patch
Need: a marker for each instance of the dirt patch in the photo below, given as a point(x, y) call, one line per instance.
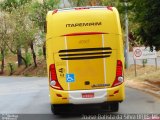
point(149, 88)
point(39, 71)
point(147, 80)
point(154, 82)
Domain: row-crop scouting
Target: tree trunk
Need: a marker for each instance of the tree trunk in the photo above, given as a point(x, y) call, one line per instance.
point(44, 50)
point(19, 54)
point(44, 44)
point(2, 62)
point(33, 54)
point(11, 68)
point(24, 60)
point(20, 58)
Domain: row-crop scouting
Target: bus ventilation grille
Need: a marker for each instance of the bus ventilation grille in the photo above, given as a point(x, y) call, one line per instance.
point(85, 53)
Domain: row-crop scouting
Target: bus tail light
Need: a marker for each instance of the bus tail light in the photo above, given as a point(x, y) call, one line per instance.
point(110, 8)
point(119, 78)
point(53, 78)
point(54, 11)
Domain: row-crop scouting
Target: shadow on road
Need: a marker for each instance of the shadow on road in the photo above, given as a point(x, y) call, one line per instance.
point(86, 112)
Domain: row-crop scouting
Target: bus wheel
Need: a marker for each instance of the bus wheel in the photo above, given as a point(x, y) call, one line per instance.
point(56, 109)
point(114, 107)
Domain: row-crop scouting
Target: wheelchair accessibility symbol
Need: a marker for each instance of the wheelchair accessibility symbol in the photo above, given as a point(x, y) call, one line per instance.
point(70, 78)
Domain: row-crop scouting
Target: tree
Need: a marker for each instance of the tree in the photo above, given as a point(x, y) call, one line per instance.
point(5, 29)
point(24, 33)
point(78, 3)
point(147, 17)
point(31, 32)
point(38, 16)
point(10, 6)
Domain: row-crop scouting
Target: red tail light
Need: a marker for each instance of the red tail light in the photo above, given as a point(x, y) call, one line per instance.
point(109, 8)
point(54, 11)
point(53, 78)
point(119, 74)
point(119, 68)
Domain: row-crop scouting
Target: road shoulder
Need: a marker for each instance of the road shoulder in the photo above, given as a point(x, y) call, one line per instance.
point(146, 86)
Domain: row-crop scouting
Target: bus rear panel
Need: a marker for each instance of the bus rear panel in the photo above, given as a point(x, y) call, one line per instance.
point(85, 59)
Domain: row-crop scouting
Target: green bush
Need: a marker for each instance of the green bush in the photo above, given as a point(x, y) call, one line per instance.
point(11, 67)
point(40, 52)
point(144, 62)
point(1, 57)
point(28, 58)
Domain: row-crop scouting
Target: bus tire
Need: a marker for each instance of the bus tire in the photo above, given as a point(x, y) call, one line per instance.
point(114, 107)
point(56, 109)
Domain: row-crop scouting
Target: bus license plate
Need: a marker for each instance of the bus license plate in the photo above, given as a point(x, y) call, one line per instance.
point(87, 95)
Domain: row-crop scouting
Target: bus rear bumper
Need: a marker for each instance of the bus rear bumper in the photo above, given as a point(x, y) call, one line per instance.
point(98, 96)
point(75, 97)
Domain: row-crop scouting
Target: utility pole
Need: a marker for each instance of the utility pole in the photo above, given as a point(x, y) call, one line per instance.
point(64, 4)
point(126, 36)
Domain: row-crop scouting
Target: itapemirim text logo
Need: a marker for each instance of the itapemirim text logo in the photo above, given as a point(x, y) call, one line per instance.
point(84, 24)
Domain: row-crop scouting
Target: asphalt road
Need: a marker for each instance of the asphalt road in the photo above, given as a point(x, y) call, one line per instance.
point(29, 95)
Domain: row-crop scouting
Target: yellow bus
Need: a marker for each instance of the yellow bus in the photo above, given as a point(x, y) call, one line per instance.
point(85, 59)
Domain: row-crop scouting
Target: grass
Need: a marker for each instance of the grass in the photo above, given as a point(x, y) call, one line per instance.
point(143, 73)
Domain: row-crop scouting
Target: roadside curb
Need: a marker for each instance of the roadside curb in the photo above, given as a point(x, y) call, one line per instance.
point(143, 86)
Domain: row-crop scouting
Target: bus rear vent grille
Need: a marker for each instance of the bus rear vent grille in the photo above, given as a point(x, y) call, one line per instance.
point(85, 53)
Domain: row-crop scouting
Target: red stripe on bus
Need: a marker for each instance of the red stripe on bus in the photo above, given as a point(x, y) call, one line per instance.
point(84, 33)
